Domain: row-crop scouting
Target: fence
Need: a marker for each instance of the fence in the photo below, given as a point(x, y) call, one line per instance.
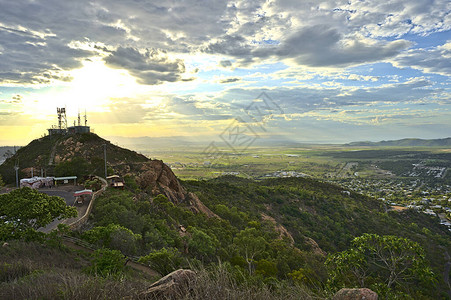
point(131, 261)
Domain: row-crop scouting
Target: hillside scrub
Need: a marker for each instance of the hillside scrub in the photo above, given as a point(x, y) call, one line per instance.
point(317, 217)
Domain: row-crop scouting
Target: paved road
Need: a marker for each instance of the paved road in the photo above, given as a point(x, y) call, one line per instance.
point(68, 196)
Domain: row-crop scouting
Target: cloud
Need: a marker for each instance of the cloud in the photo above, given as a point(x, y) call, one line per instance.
point(34, 35)
point(16, 99)
point(30, 58)
point(435, 60)
point(151, 66)
point(305, 99)
point(320, 46)
point(191, 108)
point(314, 46)
point(229, 80)
point(225, 63)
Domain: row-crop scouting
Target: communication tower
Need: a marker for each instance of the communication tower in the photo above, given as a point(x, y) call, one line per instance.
point(62, 120)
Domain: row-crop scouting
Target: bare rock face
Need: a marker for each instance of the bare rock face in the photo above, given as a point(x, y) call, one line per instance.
point(174, 285)
point(280, 229)
point(198, 206)
point(315, 247)
point(158, 178)
point(355, 294)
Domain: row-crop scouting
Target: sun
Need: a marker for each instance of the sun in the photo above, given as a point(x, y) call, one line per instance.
point(95, 84)
point(92, 87)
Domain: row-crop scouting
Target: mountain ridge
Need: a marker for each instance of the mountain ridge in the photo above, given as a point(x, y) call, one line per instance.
point(407, 142)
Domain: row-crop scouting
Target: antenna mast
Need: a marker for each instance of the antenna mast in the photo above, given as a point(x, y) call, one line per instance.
point(62, 120)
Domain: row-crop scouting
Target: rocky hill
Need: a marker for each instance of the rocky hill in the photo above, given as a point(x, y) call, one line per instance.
point(83, 154)
point(47, 152)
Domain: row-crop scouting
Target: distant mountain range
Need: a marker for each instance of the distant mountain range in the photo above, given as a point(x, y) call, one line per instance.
point(406, 143)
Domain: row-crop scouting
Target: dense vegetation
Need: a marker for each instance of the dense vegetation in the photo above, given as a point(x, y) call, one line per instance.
point(278, 238)
point(248, 235)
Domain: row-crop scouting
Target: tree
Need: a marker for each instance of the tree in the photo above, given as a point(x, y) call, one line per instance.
point(201, 244)
point(26, 209)
point(250, 244)
point(391, 261)
point(113, 236)
point(1, 181)
point(163, 261)
point(107, 262)
point(78, 166)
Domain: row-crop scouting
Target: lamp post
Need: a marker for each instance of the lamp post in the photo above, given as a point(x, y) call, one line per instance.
point(104, 154)
point(17, 175)
point(16, 167)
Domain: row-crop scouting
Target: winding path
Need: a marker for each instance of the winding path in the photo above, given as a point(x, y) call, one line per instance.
point(83, 211)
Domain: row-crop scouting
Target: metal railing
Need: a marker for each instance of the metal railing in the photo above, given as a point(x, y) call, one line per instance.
point(76, 224)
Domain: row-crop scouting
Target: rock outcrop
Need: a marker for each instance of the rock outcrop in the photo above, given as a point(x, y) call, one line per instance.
point(173, 286)
point(280, 229)
point(159, 179)
point(314, 246)
point(156, 177)
point(355, 294)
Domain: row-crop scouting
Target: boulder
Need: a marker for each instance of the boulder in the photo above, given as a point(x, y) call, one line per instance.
point(355, 294)
point(173, 286)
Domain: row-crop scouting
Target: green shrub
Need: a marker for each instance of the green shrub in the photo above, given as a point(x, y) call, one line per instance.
point(163, 261)
point(107, 262)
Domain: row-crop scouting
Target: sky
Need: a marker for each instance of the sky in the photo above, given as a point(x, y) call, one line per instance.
point(301, 71)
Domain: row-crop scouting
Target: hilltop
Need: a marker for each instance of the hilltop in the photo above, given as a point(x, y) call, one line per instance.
point(446, 142)
point(48, 152)
point(83, 154)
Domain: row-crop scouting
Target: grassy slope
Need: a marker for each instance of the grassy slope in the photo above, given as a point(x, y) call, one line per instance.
point(35, 271)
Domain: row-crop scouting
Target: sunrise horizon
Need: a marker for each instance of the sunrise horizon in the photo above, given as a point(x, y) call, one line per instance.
point(332, 72)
